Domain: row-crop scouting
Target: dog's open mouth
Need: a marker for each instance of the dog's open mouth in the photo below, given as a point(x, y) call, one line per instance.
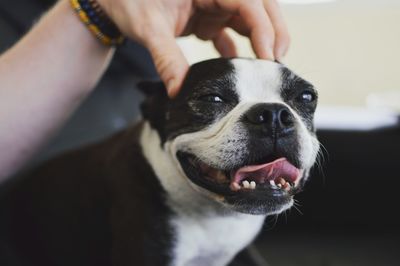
point(279, 176)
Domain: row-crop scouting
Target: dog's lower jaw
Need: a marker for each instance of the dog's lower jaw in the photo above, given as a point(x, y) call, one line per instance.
point(203, 228)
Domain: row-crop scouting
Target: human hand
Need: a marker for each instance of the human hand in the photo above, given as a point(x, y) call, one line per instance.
point(156, 23)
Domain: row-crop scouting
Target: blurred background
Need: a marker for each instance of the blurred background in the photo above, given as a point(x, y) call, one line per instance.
point(349, 49)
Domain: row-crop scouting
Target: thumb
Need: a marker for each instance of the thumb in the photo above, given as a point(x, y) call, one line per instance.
point(170, 62)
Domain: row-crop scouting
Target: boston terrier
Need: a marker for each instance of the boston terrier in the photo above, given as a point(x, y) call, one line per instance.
point(189, 185)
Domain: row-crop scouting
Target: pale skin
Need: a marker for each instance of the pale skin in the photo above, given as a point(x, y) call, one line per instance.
point(51, 70)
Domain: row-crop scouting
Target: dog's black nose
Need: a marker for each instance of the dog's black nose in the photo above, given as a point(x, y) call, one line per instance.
point(274, 118)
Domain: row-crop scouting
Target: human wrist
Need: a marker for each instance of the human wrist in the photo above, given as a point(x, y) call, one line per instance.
point(87, 53)
point(97, 22)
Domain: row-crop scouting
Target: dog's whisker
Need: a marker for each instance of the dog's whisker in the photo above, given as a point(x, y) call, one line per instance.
point(296, 206)
point(321, 160)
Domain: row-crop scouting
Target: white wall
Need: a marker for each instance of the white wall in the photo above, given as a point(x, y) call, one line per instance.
point(347, 48)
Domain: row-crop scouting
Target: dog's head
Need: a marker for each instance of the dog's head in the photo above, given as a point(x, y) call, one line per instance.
point(240, 131)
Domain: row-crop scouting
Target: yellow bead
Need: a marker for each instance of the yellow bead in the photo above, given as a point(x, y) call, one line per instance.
point(75, 4)
point(84, 17)
point(94, 29)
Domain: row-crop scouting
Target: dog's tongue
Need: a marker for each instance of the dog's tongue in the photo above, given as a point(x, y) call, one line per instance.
point(269, 171)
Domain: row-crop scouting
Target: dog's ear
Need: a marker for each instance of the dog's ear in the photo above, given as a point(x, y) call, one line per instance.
point(154, 106)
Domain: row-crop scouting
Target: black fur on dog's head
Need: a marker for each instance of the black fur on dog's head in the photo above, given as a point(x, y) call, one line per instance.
point(240, 130)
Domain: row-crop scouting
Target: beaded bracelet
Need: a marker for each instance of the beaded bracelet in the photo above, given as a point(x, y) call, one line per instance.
point(97, 22)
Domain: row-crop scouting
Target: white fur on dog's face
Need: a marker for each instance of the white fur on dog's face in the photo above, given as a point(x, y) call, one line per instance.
point(253, 77)
point(214, 133)
point(216, 145)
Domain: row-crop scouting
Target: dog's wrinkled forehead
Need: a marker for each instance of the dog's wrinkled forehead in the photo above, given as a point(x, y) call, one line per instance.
point(258, 80)
point(242, 79)
point(213, 88)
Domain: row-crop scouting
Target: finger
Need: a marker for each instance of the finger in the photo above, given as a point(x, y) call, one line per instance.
point(225, 44)
point(282, 37)
point(169, 60)
point(253, 19)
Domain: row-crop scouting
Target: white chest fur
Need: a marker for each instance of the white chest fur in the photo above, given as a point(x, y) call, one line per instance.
point(213, 240)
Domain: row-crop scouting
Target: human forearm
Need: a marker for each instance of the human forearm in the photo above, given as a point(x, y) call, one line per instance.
point(43, 79)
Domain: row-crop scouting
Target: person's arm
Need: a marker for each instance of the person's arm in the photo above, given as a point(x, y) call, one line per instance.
point(43, 78)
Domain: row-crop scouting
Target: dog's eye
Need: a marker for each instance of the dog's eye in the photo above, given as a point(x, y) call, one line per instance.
point(307, 97)
point(212, 98)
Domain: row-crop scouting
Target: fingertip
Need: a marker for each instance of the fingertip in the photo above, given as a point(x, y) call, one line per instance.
point(263, 41)
point(170, 63)
point(172, 88)
point(270, 54)
point(280, 53)
point(282, 43)
point(282, 36)
point(263, 49)
point(174, 83)
point(225, 45)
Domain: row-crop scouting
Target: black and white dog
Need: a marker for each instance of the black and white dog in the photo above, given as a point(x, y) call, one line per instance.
point(189, 185)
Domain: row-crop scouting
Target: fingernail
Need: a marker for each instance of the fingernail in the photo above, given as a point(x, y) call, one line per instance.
point(280, 53)
point(171, 87)
point(171, 84)
point(270, 53)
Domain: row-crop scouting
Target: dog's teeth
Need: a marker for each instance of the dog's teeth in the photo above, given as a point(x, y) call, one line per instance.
point(286, 187)
point(279, 185)
point(246, 184)
point(272, 183)
point(281, 180)
point(252, 185)
point(235, 186)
